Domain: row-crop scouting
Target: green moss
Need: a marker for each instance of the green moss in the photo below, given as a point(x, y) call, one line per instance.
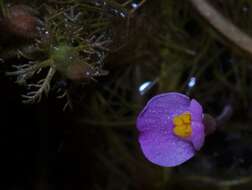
point(63, 54)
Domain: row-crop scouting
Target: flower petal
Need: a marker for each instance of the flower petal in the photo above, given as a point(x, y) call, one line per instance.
point(165, 149)
point(198, 135)
point(196, 110)
point(155, 124)
point(160, 109)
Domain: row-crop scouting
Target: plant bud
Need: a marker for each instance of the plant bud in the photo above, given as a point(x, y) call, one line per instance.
point(20, 21)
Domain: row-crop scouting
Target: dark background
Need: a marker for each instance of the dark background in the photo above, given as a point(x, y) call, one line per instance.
point(94, 145)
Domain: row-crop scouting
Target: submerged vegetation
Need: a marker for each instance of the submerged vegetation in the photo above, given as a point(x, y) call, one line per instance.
point(71, 38)
point(107, 58)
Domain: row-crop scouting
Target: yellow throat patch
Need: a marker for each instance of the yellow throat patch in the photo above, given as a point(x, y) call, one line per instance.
point(182, 125)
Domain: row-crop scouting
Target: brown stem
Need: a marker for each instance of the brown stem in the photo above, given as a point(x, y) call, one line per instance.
point(223, 25)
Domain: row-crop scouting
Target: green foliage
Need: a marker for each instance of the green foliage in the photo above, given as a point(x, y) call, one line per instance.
point(70, 33)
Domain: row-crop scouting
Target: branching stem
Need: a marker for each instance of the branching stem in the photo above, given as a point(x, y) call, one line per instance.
point(44, 87)
point(223, 25)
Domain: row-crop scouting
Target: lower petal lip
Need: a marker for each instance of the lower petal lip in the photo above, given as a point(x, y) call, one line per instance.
point(166, 151)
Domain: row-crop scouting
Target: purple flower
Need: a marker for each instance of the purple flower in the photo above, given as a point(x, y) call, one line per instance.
point(171, 129)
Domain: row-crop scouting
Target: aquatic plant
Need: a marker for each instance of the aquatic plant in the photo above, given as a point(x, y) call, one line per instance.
point(164, 46)
point(70, 39)
point(171, 129)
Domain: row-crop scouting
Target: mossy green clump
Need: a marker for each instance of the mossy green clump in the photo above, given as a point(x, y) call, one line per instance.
point(69, 36)
point(62, 54)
